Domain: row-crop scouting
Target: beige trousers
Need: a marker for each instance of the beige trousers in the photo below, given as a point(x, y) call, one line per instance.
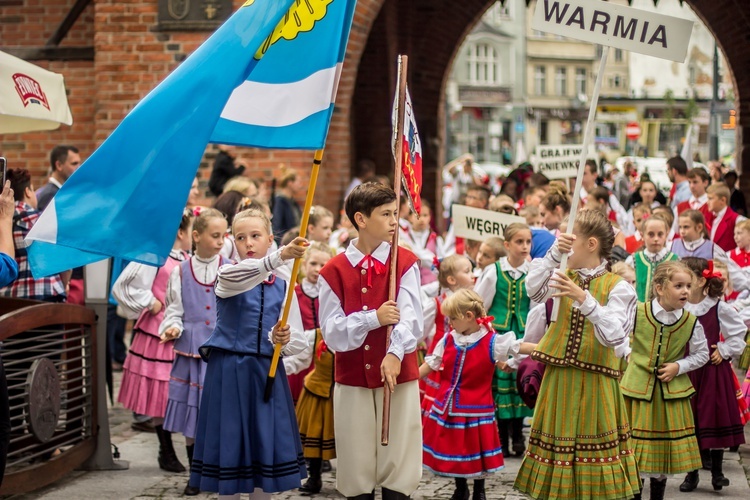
point(362, 463)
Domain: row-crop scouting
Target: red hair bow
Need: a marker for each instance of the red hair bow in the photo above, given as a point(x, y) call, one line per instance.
point(486, 321)
point(710, 273)
point(436, 263)
point(197, 211)
point(322, 347)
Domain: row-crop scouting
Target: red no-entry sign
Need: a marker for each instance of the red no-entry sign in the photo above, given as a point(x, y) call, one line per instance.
point(633, 131)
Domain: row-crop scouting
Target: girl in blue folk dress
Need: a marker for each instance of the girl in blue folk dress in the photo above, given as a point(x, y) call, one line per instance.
point(244, 444)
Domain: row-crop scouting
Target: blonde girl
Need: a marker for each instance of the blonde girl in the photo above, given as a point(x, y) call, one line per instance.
point(313, 371)
point(460, 438)
point(320, 224)
point(586, 454)
point(189, 319)
point(244, 444)
point(656, 387)
point(502, 287)
point(655, 251)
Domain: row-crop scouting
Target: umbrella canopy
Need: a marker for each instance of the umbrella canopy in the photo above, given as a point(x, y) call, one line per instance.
point(31, 98)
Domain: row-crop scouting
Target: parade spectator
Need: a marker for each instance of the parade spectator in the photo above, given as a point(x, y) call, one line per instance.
point(716, 169)
point(286, 211)
point(636, 198)
point(365, 173)
point(225, 167)
point(459, 173)
point(677, 171)
point(51, 288)
point(244, 185)
point(8, 273)
point(737, 198)
point(64, 160)
point(621, 186)
point(194, 197)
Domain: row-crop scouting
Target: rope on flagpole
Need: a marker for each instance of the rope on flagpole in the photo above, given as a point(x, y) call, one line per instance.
point(295, 271)
point(401, 89)
point(587, 139)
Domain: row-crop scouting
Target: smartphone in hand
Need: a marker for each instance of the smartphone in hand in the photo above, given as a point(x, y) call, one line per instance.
point(4, 168)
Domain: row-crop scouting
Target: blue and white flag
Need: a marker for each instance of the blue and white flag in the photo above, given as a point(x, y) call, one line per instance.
point(266, 78)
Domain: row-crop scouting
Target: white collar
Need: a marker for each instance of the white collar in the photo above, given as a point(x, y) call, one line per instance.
point(671, 316)
point(701, 307)
point(658, 256)
point(466, 340)
point(55, 182)
point(177, 253)
point(587, 273)
point(310, 289)
point(720, 214)
point(506, 266)
point(355, 256)
point(691, 246)
point(205, 261)
point(702, 200)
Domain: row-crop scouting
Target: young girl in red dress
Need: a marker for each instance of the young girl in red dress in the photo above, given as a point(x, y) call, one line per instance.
point(460, 435)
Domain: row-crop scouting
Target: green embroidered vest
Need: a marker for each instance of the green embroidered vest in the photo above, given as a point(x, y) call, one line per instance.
point(644, 272)
point(511, 302)
point(570, 340)
point(654, 344)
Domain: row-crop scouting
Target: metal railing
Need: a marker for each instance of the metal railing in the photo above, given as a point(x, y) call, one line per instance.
point(49, 353)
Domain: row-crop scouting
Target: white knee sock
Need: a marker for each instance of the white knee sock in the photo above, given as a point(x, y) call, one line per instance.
point(236, 496)
point(259, 494)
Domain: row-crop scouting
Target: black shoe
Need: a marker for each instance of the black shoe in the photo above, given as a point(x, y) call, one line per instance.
point(387, 494)
point(718, 481)
point(364, 496)
point(706, 459)
point(167, 457)
point(462, 489)
point(147, 426)
point(638, 495)
point(326, 466)
point(658, 486)
point(312, 486)
point(691, 481)
point(478, 493)
point(191, 491)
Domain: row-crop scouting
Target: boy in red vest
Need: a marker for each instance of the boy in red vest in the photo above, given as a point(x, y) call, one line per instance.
point(355, 312)
point(722, 218)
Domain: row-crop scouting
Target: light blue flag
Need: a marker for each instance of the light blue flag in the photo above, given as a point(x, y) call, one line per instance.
point(127, 199)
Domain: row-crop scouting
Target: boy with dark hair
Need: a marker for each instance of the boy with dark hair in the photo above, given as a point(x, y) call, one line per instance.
point(698, 180)
point(354, 315)
point(677, 171)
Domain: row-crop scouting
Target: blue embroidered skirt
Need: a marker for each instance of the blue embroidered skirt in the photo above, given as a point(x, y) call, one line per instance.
point(242, 442)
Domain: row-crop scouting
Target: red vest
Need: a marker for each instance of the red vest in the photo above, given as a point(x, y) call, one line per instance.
point(308, 309)
point(440, 323)
point(724, 236)
point(466, 380)
point(361, 367)
point(740, 256)
point(685, 205)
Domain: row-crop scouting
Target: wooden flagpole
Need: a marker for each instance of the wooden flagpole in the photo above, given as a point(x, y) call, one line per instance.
point(588, 135)
point(295, 271)
point(401, 89)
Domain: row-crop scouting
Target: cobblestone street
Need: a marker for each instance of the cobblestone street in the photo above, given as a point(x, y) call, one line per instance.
point(145, 481)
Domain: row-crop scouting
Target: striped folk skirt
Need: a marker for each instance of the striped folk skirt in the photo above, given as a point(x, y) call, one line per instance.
point(315, 418)
point(508, 403)
point(744, 362)
point(580, 446)
point(663, 434)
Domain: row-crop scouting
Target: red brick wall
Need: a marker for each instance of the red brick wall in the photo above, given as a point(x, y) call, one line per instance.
point(131, 58)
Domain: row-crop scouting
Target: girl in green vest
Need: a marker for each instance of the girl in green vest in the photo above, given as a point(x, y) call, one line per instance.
point(579, 447)
point(503, 289)
point(656, 387)
point(655, 251)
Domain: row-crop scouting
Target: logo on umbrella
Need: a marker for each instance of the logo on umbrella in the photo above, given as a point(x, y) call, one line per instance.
point(29, 90)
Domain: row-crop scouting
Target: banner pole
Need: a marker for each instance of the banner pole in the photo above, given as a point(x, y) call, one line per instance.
point(588, 135)
point(401, 89)
point(295, 271)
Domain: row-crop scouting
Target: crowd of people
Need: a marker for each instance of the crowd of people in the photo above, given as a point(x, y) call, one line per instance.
point(622, 363)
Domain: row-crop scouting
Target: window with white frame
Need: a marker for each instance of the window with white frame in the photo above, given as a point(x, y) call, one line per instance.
point(483, 64)
point(580, 81)
point(540, 80)
point(561, 81)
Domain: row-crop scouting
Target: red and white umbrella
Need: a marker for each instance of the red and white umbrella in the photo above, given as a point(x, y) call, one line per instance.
point(31, 98)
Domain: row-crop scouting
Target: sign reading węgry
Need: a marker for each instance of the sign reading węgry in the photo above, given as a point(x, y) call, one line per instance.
point(477, 224)
point(636, 30)
point(559, 162)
